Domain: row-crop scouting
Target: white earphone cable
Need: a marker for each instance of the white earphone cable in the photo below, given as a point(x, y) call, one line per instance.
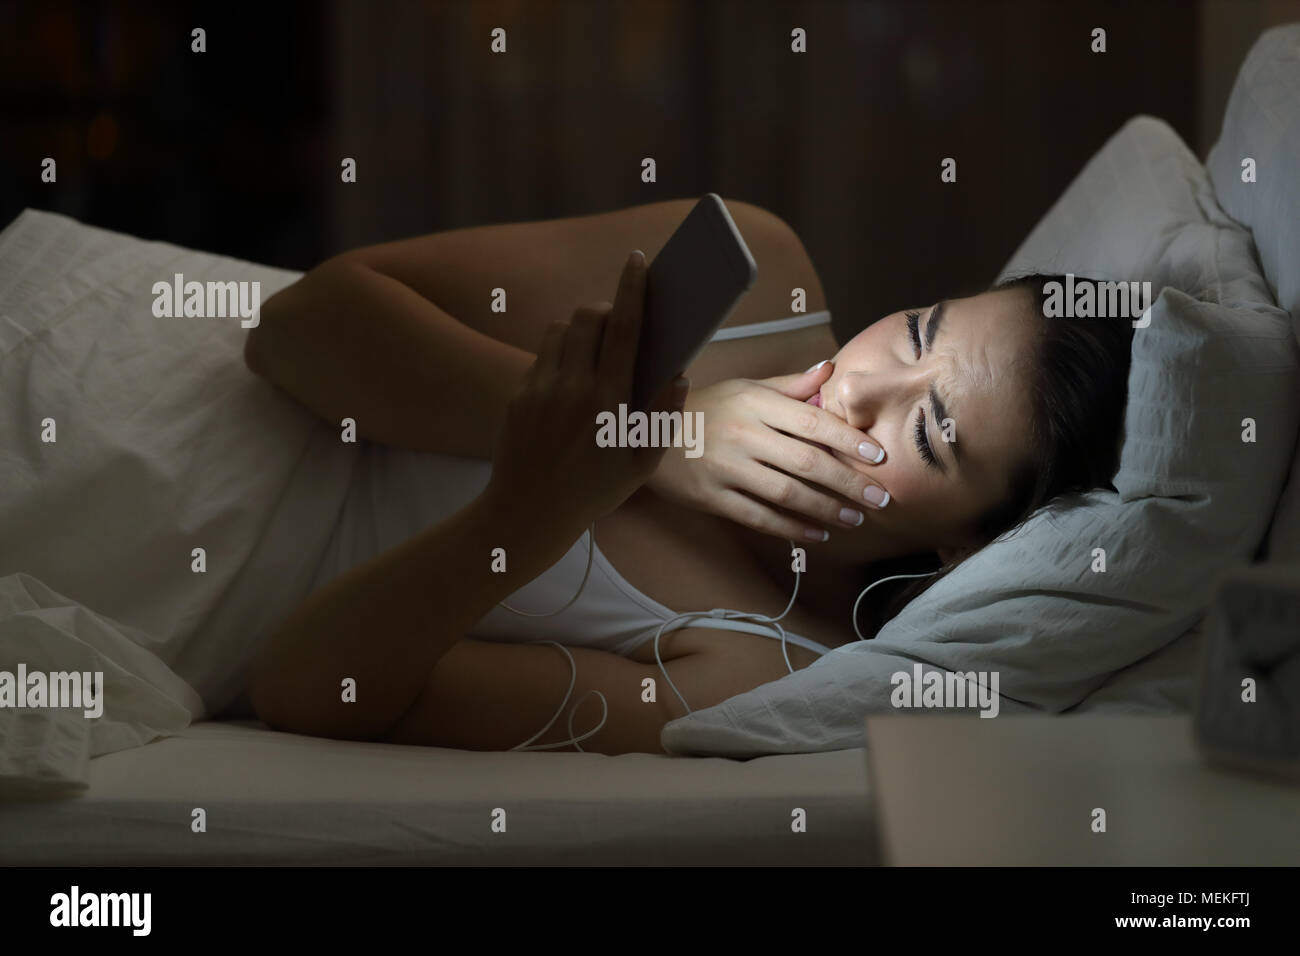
point(573, 666)
point(673, 623)
point(892, 577)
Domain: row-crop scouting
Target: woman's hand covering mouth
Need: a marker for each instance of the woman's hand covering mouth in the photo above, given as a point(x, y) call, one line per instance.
point(757, 435)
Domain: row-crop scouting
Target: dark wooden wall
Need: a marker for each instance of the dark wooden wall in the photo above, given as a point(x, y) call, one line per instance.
point(844, 141)
point(237, 150)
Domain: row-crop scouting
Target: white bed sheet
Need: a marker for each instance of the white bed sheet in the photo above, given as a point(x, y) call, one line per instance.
point(275, 798)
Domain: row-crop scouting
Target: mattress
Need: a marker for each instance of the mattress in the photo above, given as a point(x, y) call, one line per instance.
point(276, 798)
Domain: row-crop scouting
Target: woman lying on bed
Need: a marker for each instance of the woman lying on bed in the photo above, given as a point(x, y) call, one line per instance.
point(928, 434)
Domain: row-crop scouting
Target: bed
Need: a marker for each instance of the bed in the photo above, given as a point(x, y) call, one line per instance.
point(226, 792)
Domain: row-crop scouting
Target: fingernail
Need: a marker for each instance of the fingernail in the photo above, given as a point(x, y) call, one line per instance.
point(871, 453)
point(817, 366)
point(849, 516)
point(637, 258)
point(812, 534)
point(876, 496)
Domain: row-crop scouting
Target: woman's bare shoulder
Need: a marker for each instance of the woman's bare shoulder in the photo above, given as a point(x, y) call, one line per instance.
point(783, 266)
point(783, 261)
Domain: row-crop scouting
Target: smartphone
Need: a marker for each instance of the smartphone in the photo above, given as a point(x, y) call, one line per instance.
point(691, 287)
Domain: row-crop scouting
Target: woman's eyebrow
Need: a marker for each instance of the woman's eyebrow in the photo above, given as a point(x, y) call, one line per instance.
point(932, 328)
point(940, 411)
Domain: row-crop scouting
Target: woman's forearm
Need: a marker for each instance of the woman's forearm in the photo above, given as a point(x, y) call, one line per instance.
point(350, 342)
point(385, 623)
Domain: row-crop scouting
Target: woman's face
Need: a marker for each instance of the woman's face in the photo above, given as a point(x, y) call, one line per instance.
point(943, 390)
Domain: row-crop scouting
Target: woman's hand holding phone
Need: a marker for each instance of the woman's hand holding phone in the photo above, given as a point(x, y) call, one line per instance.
point(752, 428)
point(548, 468)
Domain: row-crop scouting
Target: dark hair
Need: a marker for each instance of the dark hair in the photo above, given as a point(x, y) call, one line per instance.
point(1078, 390)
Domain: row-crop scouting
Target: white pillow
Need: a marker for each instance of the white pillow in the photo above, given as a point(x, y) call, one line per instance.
point(165, 443)
point(1262, 123)
point(1192, 497)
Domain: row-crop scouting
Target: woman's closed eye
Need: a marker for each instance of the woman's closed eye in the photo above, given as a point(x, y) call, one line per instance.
point(914, 331)
point(922, 438)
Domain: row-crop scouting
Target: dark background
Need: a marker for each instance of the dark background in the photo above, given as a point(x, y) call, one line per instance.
point(237, 150)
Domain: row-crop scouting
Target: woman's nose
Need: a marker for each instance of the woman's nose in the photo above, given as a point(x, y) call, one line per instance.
point(865, 396)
